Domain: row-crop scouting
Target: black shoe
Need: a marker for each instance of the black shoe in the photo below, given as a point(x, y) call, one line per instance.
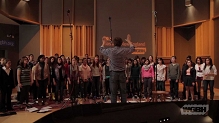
point(10, 109)
point(204, 99)
point(211, 97)
point(199, 96)
point(3, 110)
point(129, 96)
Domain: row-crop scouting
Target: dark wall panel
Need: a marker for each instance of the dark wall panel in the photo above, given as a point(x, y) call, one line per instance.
point(68, 4)
point(84, 12)
point(9, 41)
point(128, 17)
point(52, 11)
point(216, 49)
point(199, 11)
point(163, 9)
point(29, 40)
point(216, 7)
point(21, 9)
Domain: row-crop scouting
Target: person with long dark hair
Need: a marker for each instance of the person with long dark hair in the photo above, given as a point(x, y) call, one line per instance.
point(2, 60)
point(161, 74)
point(34, 85)
point(96, 69)
point(64, 60)
point(184, 66)
point(142, 62)
point(209, 72)
point(31, 62)
point(106, 77)
point(73, 79)
point(51, 86)
point(199, 67)
point(66, 65)
point(151, 60)
point(135, 75)
point(16, 83)
point(147, 77)
point(6, 85)
point(24, 78)
point(189, 75)
point(128, 74)
point(42, 77)
point(173, 75)
point(59, 79)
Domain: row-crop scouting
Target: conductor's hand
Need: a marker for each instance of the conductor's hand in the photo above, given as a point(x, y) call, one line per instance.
point(128, 39)
point(104, 40)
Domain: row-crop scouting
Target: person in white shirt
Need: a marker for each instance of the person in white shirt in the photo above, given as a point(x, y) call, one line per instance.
point(209, 73)
point(199, 66)
point(161, 75)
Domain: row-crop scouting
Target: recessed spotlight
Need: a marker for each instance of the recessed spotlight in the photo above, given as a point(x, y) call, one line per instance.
point(188, 3)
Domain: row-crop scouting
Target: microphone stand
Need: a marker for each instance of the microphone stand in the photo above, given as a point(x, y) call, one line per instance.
point(73, 83)
point(155, 39)
point(111, 31)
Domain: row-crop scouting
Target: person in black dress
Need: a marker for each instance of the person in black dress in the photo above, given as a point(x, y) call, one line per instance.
point(188, 58)
point(6, 86)
point(189, 76)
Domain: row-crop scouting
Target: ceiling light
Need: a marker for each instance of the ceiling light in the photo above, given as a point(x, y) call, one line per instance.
point(188, 3)
point(25, 0)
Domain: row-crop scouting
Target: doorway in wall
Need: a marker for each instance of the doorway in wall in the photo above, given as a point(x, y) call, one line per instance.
point(2, 53)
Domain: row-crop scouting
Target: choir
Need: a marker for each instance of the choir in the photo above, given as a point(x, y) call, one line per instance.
point(59, 77)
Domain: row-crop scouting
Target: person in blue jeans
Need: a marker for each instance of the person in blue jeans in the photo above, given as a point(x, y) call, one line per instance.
point(209, 72)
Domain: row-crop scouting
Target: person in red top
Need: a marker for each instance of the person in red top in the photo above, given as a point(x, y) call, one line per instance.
point(66, 65)
point(147, 76)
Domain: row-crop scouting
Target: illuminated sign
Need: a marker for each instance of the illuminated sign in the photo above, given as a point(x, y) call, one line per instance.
point(6, 43)
point(140, 47)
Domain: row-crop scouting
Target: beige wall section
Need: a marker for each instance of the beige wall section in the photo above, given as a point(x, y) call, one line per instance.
point(216, 46)
point(165, 42)
point(204, 43)
point(66, 42)
point(29, 40)
point(205, 36)
point(51, 40)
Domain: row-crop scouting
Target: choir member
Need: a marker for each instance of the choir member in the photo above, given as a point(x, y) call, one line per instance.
point(209, 72)
point(173, 75)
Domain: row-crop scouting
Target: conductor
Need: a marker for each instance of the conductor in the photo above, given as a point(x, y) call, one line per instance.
point(117, 56)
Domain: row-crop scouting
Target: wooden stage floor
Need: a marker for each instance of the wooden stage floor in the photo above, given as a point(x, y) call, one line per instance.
point(27, 117)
